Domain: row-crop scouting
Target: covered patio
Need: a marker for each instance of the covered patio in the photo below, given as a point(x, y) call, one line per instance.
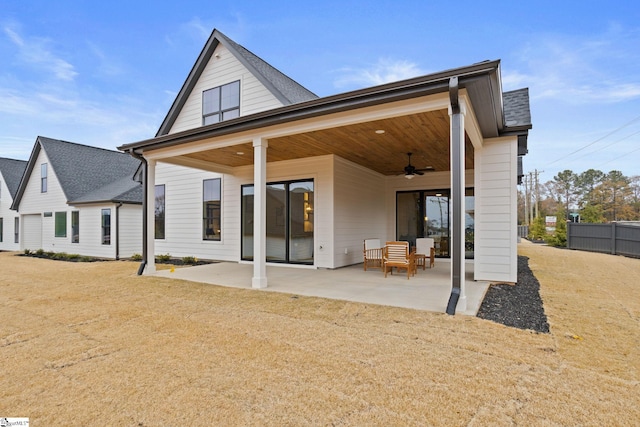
point(428, 290)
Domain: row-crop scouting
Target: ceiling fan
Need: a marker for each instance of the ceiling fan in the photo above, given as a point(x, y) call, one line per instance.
point(410, 171)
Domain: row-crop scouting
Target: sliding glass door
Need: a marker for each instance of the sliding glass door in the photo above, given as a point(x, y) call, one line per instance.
point(289, 222)
point(426, 214)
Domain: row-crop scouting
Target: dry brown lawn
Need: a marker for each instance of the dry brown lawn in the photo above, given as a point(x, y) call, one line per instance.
point(94, 344)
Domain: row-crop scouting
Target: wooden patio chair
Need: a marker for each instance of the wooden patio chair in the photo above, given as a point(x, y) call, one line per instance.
point(425, 249)
point(397, 254)
point(372, 254)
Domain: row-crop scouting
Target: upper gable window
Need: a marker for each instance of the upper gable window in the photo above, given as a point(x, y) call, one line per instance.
point(221, 103)
point(43, 178)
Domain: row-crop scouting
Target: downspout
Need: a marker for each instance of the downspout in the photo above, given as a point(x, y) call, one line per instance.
point(456, 249)
point(118, 206)
point(143, 264)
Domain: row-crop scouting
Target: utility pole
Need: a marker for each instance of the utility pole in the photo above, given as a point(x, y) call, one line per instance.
point(537, 173)
point(526, 200)
point(531, 193)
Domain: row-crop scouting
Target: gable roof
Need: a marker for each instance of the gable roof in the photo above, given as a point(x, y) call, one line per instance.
point(12, 171)
point(86, 174)
point(285, 89)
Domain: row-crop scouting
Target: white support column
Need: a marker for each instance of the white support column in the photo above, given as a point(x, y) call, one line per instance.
point(151, 218)
point(259, 279)
point(457, 152)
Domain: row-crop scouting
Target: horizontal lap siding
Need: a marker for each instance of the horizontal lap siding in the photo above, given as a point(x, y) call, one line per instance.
point(183, 208)
point(495, 215)
point(130, 230)
point(359, 210)
point(254, 97)
point(7, 242)
point(184, 211)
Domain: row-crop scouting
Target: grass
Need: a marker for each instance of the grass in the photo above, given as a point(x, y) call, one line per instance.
point(94, 343)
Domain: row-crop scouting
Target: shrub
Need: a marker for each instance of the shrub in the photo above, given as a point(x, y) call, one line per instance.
point(189, 260)
point(163, 258)
point(27, 251)
point(40, 251)
point(136, 257)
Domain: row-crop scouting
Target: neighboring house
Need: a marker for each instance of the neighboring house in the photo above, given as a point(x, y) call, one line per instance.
point(79, 199)
point(11, 172)
point(249, 165)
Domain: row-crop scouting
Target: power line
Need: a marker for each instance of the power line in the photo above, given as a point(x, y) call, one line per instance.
point(607, 146)
point(597, 140)
point(624, 155)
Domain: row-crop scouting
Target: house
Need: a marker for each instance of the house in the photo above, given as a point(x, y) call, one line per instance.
point(248, 166)
point(79, 199)
point(11, 172)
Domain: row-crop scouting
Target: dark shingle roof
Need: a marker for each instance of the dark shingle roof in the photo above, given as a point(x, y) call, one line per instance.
point(12, 171)
point(84, 171)
point(291, 91)
point(516, 108)
point(284, 88)
point(88, 174)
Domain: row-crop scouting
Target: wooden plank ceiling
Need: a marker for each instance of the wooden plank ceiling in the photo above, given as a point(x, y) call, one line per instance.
point(426, 135)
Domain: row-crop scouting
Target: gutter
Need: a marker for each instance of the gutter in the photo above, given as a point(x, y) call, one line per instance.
point(455, 246)
point(118, 206)
point(145, 254)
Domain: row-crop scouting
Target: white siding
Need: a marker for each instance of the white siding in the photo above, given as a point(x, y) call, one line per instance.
point(130, 230)
point(31, 232)
point(495, 210)
point(8, 216)
point(254, 97)
point(36, 203)
point(359, 210)
point(183, 208)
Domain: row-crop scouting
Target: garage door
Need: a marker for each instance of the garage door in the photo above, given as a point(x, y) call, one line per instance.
point(31, 232)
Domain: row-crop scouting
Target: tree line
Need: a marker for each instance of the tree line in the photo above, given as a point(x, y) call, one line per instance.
point(591, 196)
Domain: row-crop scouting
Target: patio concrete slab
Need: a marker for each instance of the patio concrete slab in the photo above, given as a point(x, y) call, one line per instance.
point(428, 290)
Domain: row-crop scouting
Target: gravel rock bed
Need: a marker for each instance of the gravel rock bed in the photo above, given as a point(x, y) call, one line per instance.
point(519, 305)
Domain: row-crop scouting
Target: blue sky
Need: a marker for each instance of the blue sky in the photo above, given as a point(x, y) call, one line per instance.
point(105, 73)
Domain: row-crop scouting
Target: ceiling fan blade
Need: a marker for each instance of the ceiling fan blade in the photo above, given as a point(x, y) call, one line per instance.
point(427, 169)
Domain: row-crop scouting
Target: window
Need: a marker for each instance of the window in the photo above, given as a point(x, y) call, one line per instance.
point(159, 212)
point(1, 230)
point(43, 178)
point(75, 227)
point(290, 222)
point(426, 214)
point(16, 230)
point(61, 224)
point(221, 103)
point(106, 226)
point(211, 218)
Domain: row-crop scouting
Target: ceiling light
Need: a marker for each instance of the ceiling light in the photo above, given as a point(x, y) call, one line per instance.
point(380, 131)
point(240, 153)
point(409, 176)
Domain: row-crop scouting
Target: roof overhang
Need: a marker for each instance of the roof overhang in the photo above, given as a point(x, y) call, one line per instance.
point(413, 111)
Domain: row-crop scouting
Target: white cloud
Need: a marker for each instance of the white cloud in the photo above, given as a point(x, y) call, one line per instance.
point(600, 68)
point(386, 70)
point(37, 52)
